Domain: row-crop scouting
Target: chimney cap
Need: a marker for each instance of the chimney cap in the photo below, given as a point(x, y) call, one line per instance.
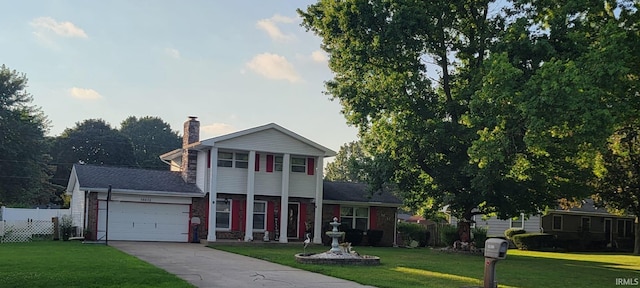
point(193, 117)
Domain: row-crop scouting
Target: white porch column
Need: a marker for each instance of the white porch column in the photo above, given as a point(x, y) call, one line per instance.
point(251, 176)
point(317, 221)
point(284, 198)
point(213, 195)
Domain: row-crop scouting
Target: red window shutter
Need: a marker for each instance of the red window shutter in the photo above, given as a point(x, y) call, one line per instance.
point(311, 167)
point(303, 219)
point(257, 162)
point(270, 217)
point(209, 159)
point(373, 218)
point(269, 163)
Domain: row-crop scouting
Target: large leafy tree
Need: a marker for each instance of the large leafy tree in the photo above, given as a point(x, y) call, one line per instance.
point(23, 172)
point(91, 141)
point(350, 164)
point(150, 137)
point(512, 123)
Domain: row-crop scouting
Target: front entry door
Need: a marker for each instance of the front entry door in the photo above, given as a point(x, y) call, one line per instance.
point(293, 218)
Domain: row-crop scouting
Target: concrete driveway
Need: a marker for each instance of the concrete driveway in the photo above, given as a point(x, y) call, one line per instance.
point(206, 267)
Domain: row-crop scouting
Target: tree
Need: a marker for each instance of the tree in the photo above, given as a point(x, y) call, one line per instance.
point(151, 137)
point(512, 124)
point(92, 141)
point(23, 171)
point(349, 164)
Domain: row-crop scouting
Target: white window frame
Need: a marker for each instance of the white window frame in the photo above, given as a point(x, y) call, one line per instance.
point(241, 163)
point(264, 226)
point(225, 160)
point(297, 167)
point(520, 219)
point(228, 202)
point(277, 163)
point(553, 222)
point(354, 217)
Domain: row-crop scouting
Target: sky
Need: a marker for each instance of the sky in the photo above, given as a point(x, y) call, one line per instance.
point(233, 64)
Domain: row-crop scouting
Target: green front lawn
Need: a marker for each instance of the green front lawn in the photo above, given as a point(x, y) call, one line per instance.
point(73, 264)
point(430, 268)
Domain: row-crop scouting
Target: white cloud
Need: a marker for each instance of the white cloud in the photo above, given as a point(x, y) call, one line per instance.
point(273, 66)
point(173, 53)
point(216, 129)
point(84, 94)
point(319, 56)
point(270, 26)
point(64, 29)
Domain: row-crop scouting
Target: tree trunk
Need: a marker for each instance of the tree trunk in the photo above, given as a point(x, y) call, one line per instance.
point(636, 245)
point(464, 230)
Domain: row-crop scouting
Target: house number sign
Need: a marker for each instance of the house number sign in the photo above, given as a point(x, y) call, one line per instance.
point(145, 199)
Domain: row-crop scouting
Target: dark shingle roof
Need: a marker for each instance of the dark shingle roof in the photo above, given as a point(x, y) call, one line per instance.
point(356, 192)
point(100, 177)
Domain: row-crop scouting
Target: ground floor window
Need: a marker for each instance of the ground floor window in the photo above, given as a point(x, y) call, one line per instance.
point(517, 222)
point(625, 227)
point(223, 214)
point(557, 222)
point(585, 224)
point(355, 217)
point(259, 215)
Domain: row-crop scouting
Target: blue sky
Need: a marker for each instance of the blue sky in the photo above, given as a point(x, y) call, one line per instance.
point(234, 64)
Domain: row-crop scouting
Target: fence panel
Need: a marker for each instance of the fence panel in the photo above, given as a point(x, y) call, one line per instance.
point(25, 230)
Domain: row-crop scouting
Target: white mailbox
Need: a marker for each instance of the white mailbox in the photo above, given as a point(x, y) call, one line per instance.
point(496, 248)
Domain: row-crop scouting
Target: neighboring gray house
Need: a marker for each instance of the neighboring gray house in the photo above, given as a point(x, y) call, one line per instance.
point(496, 227)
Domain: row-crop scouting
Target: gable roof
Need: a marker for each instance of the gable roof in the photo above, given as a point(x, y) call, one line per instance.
point(587, 207)
point(131, 180)
point(356, 193)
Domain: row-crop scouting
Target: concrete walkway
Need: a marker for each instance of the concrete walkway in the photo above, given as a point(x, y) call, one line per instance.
point(206, 267)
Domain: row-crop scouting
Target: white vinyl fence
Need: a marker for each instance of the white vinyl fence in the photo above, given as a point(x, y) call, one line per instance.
point(23, 225)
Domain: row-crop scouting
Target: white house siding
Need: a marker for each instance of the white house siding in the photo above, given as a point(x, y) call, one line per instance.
point(302, 185)
point(269, 184)
point(77, 205)
point(231, 180)
point(276, 141)
point(201, 171)
point(496, 227)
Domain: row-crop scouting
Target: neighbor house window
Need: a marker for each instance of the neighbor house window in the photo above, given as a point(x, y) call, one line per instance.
point(259, 215)
point(242, 160)
point(355, 217)
point(585, 224)
point(472, 225)
point(517, 222)
point(278, 163)
point(625, 227)
point(557, 222)
point(225, 159)
point(223, 214)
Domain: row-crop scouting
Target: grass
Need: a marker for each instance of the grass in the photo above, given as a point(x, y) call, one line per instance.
point(73, 264)
point(431, 268)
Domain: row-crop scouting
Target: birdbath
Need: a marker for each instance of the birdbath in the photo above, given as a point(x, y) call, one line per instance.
point(335, 234)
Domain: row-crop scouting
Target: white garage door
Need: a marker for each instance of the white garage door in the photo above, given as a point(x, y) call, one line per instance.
point(135, 221)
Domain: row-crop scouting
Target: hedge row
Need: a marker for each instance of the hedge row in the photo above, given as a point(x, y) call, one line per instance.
point(533, 241)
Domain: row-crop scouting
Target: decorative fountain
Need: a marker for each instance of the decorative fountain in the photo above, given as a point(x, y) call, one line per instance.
point(338, 254)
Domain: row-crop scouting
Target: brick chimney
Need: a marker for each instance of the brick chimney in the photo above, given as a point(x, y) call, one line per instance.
point(190, 157)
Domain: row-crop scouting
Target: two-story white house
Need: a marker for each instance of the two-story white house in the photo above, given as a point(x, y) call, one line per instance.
point(240, 186)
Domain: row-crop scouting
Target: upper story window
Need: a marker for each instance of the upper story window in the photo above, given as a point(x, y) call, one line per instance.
point(227, 159)
point(278, 163)
point(298, 164)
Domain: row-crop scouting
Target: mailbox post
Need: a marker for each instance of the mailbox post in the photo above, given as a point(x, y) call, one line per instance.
point(494, 250)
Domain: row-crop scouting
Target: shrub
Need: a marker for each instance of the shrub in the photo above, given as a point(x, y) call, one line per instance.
point(533, 241)
point(513, 231)
point(479, 236)
point(353, 236)
point(413, 231)
point(449, 234)
point(374, 236)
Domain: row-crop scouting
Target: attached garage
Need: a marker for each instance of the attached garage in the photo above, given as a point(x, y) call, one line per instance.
point(134, 221)
point(144, 205)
